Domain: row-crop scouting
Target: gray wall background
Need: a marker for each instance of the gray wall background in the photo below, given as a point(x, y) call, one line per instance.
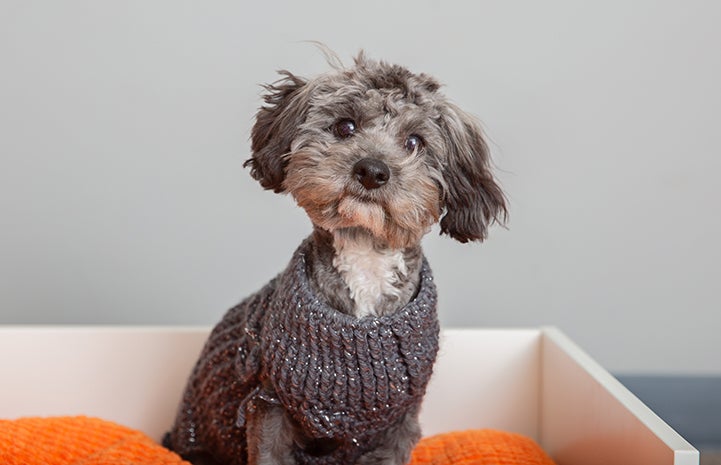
point(124, 125)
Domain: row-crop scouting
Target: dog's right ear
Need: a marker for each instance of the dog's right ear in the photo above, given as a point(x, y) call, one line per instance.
point(275, 128)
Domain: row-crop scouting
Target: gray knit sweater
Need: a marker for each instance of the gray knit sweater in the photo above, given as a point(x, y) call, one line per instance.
point(336, 375)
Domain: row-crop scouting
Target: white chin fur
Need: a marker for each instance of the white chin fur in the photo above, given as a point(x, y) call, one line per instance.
point(368, 273)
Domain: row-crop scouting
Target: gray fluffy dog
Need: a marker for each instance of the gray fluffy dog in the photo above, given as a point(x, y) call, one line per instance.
point(328, 363)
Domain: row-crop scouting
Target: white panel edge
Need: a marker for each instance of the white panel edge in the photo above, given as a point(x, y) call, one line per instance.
point(685, 453)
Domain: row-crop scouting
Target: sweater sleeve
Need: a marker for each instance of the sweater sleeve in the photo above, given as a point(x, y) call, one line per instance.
point(224, 375)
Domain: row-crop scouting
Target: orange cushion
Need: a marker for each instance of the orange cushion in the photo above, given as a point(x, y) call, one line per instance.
point(92, 441)
point(479, 447)
point(78, 441)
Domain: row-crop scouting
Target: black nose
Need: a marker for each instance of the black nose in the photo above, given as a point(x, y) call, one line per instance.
point(371, 172)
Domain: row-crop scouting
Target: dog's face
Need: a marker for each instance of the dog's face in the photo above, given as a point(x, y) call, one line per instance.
point(377, 147)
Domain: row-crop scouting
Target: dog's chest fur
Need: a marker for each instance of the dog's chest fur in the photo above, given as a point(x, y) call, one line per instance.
point(359, 278)
point(370, 274)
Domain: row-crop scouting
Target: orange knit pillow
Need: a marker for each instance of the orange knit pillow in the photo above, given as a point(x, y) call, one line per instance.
point(479, 447)
point(78, 441)
point(91, 441)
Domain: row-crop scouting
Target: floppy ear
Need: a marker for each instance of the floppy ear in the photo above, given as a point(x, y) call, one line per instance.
point(275, 128)
point(473, 200)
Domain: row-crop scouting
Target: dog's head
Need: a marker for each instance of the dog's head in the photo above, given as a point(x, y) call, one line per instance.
point(377, 147)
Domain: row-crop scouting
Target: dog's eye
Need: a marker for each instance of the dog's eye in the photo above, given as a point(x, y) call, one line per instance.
point(344, 128)
point(413, 143)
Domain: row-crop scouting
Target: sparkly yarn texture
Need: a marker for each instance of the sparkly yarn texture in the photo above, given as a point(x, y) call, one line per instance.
point(337, 376)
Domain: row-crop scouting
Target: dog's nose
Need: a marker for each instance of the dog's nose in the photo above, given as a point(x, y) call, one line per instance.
point(371, 172)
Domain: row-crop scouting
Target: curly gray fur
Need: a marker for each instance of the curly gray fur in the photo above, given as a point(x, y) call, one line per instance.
point(294, 151)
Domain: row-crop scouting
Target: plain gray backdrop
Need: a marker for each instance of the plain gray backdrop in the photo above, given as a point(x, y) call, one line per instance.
point(124, 126)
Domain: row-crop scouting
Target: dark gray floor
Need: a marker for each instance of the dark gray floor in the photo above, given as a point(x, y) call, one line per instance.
point(710, 457)
point(690, 405)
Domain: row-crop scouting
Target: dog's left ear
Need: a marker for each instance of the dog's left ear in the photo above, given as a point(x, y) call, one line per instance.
point(275, 128)
point(473, 200)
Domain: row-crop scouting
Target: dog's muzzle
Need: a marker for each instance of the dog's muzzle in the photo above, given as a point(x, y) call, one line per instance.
point(371, 173)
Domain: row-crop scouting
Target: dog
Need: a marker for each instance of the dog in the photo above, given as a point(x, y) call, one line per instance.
point(328, 363)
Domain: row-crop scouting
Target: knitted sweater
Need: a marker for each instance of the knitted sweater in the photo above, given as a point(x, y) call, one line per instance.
point(337, 376)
